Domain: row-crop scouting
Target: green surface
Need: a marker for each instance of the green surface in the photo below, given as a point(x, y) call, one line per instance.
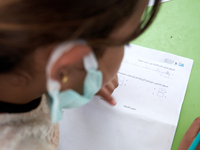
point(176, 30)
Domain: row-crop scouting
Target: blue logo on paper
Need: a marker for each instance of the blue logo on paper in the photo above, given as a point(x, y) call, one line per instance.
point(179, 64)
point(182, 65)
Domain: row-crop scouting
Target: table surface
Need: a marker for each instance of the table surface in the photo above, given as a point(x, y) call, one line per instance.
point(176, 30)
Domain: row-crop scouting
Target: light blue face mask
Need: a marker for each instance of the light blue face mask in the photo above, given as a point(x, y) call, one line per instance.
point(70, 98)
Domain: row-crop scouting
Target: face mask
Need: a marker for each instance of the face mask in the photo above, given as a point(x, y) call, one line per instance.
point(70, 98)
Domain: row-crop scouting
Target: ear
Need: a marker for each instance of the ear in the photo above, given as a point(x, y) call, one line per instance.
point(75, 54)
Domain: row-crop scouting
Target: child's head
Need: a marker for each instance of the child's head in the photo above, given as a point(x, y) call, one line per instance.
point(31, 29)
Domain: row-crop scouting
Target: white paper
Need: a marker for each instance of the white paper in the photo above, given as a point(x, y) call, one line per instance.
point(152, 85)
point(151, 2)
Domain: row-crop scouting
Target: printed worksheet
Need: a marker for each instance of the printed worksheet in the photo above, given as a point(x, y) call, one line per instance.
point(151, 90)
point(151, 2)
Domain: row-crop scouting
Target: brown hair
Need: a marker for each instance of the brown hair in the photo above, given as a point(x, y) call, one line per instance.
point(26, 25)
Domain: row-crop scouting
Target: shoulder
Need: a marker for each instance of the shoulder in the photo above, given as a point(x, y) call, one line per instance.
point(31, 130)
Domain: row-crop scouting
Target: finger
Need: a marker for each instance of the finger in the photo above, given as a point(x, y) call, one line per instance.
point(110, 87)
point(115, 81)
point(106, 95)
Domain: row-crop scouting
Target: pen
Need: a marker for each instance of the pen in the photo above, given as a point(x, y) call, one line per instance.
point(195, 142)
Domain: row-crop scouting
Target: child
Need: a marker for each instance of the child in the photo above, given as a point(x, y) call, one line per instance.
point(67, 50)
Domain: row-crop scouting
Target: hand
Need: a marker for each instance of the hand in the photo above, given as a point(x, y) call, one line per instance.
point(106, 91)
point(190, 135)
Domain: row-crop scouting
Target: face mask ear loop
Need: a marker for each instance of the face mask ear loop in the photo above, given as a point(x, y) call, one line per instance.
point(55, 108)
point(90, 62)
point(53, 90)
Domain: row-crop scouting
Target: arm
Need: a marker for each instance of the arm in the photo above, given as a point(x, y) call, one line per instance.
point(190, 135)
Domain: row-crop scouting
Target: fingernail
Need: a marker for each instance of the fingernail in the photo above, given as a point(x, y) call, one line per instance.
point(113, 102)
